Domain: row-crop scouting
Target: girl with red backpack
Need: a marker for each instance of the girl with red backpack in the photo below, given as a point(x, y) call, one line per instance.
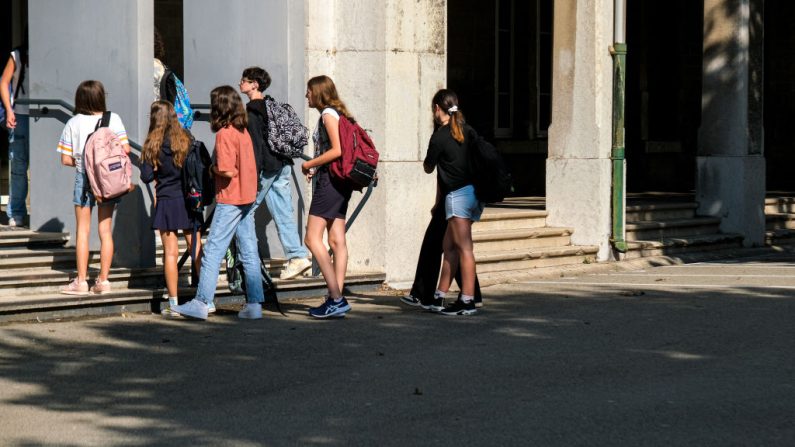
point(163, 155)
point(89, 110)
point(329, 197)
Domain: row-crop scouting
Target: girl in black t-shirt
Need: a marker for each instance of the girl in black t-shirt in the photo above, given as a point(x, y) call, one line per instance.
point(447, 153)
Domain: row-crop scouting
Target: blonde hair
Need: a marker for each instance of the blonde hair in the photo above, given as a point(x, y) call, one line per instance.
point(324, 94)
point(163, 120)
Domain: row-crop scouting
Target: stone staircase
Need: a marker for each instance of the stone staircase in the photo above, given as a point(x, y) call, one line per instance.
point(512, 238)
point(780, 219)
point(35, 265)
point(668, 225)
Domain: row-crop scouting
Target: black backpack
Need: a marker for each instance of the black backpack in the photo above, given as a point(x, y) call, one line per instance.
point(490, 174)
point(198, 184)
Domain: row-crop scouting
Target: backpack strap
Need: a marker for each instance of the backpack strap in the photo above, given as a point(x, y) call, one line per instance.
point(105, 121)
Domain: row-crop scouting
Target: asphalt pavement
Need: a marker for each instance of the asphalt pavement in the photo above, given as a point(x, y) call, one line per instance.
point(684, 355)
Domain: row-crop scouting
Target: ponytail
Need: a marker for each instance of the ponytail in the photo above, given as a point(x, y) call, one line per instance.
point(447, 100)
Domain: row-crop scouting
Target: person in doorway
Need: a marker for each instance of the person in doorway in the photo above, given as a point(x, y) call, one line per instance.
point(89, 108)
point(12, 87)
point(164, 153)
point(329, 197)
point(447, 153)
point(274, 174)
point(159, 67)
point(235, 192)
point(426, 276)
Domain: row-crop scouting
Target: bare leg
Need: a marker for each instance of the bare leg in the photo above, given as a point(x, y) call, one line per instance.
point(315, 227)
point(461, 231)
point(170, 255)
point(105, 217)
point(83, 220)
point(339, 247)
point(450, 261)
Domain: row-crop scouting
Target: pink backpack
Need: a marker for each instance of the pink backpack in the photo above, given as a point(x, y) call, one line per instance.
point(107, 166)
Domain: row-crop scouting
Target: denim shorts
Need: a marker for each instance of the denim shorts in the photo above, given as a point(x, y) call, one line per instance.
point(83, 195)
point(463, 203)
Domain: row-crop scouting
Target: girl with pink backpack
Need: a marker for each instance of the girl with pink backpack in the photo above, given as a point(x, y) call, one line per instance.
point(89, 111)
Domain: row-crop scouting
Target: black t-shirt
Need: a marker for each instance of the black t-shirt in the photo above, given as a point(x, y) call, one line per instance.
point(449, 157)
point(267, 161)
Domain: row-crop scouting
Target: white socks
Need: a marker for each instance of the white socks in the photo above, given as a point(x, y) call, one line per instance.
point(467, 298)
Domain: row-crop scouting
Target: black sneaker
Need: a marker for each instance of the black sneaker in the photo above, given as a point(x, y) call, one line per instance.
point(460, 308)
point(436, 305)
point(411, 300)
point(478, 301)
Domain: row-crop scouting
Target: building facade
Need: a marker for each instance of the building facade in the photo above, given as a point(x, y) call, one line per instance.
point(536, 77)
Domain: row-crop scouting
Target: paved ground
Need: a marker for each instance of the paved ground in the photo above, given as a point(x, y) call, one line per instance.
point(695, 355)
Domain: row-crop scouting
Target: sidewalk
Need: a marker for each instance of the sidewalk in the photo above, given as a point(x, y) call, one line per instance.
point(697, 354)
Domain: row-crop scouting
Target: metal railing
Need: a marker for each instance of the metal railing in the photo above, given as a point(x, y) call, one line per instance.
point(44, 111)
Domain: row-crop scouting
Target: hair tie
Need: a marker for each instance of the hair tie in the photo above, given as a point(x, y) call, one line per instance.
point(452, 110)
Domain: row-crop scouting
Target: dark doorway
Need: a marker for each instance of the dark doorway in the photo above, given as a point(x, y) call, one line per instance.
point(779, 95)
point(169, 22)
point(663, 95)
point(499, 62)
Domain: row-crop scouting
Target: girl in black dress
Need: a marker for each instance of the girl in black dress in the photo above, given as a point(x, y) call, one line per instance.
point(163, 154)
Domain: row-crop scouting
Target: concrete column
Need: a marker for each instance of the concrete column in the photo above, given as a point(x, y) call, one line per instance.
point(578, 166)
point(265, 33)
point(730, 163)
point(387, 60)
point(110, 41)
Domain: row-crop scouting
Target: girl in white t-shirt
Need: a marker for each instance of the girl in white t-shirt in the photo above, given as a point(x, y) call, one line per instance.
point(89, 107)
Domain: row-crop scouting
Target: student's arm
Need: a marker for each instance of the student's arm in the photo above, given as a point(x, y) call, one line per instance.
point(431, 157)
point(65, 147)
point(5, 80)
point(67, 160)
point(332, 126)
point(147, 172)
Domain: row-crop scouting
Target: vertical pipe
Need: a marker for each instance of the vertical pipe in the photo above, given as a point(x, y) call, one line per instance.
point(619, 53)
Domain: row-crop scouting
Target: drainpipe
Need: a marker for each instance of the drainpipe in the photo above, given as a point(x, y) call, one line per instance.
point(619, 53)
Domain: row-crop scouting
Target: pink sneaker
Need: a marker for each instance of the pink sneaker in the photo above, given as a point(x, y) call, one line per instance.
point(76, 288)
point(101, 287)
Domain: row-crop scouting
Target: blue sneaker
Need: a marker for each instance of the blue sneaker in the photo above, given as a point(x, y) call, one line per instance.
point(193, 308)
point(331, 309)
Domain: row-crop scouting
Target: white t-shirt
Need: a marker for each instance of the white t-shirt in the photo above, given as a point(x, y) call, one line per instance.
point(76, 132)
point(160, 70)
point(23, 93)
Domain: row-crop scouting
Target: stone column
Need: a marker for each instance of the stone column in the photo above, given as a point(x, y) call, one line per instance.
point(387, 60)
point(730, 163)
point(117, 51)
point(579, 166)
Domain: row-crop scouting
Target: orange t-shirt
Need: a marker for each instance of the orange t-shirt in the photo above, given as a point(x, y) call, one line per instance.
point(235, 152)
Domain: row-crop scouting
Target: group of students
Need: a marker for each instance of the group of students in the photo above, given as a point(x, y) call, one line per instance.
point(240, 137)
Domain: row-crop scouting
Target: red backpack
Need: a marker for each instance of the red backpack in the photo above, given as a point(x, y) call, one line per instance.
point(356, 166)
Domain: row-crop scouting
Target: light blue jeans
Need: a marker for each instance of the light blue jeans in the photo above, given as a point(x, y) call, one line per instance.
point(18, 160)
point(231, 221)
point(276, 191)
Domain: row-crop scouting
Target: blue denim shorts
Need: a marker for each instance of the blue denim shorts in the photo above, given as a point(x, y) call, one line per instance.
point(83, 195)
point(463, 203)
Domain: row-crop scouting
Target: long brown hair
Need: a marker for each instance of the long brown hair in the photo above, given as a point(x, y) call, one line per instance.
point(163, 121)
point(90, 98)
point(447, 100)
point(324, 94)
point(226, 109)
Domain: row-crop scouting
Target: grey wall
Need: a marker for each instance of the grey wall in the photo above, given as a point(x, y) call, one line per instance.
point(222, 39)
point(106, 40)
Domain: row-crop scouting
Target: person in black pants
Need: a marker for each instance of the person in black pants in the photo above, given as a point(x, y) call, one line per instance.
point(428, 264)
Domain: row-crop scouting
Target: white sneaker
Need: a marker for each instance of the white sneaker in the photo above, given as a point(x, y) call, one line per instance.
point(211, 307)
point(193, 308)
point(252, 311)
point(295, 267)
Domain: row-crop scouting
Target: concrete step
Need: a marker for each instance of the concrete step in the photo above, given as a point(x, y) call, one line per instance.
point(28, 238)
point(661, 211)
point(48, 306)
point(779, 237)
point(779, 221)
point(679, 245)
point(526, 259)
point(495, 218)
point(660, 230)
point(14, 257)
point(775, 205)
point(494, 240)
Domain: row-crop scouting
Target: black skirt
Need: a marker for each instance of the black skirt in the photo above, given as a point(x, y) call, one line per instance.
point(329, 198)
point(173, 215)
